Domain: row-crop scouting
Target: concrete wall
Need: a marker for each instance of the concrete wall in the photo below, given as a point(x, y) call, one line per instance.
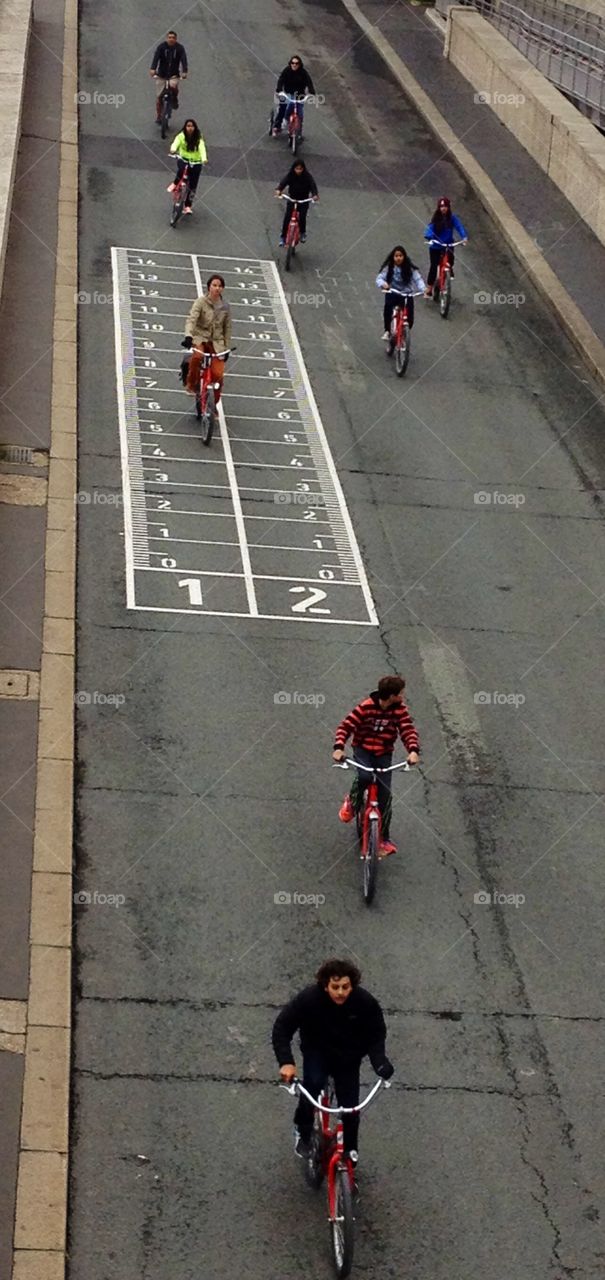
point(565, 145)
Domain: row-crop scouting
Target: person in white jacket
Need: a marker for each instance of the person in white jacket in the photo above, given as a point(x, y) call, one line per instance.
point(398, 272)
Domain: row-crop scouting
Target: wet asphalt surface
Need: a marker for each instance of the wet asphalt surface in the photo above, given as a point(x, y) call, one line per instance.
point(200, 797)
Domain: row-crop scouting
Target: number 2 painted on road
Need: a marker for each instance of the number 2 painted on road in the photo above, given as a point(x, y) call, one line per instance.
point(308, 604)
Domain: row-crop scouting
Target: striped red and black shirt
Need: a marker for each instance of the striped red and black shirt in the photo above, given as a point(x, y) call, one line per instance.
point(377, 729)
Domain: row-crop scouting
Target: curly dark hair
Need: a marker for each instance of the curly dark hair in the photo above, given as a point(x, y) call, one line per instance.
point(335, 968)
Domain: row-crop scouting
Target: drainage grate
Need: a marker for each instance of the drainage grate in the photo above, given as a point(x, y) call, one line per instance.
point(16, 453)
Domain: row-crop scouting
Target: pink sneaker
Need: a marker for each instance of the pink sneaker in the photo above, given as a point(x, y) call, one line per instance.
point(172, 187)
point(346, 812)
point(387, 848)
point(187, 210)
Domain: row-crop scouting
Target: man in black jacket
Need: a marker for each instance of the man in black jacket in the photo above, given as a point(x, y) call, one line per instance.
point(296, 82)
point(339, 1023)
point(169, 62)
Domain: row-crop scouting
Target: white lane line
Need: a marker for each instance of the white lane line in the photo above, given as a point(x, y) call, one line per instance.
point(228, 515)
point(235, 495)
point(173, 253)
point(135, 520)
point(232, 613)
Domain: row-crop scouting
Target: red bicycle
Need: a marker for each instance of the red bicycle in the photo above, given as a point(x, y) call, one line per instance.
point(442, 291)
point(294, 112)
point(399, 340)
point(293, 233)
point(205, 399)
point(369, 821)
point(327, 1160)
point(180, 194)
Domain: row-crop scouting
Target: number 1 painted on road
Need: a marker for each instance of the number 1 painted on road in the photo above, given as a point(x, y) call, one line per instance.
point(195, 589)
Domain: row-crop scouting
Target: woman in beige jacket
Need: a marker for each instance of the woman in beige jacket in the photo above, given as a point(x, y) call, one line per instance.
point(209, 328)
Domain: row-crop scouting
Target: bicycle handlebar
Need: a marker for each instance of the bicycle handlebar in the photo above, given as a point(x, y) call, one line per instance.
point(307, 200)
point(368, 768)
point(288, 96)
point(447, 246)
point(214, 355)
point(413, 293)
point(296, 1087)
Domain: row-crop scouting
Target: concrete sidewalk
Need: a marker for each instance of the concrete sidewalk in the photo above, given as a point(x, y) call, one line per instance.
point(561, 255)
point(37, 586)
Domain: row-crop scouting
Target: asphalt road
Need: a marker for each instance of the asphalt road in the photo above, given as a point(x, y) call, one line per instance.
point(200, 797)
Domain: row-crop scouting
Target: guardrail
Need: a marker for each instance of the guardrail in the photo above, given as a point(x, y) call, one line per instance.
point(575, 65)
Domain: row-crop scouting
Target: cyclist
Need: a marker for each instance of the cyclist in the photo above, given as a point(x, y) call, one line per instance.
point(169, 63)
point(190, 149)
point(444, 226)
point(297, 83)
point(398, 272)
point(375, 723)
point(209, 328)
point(300, 184)
point(339, 1024)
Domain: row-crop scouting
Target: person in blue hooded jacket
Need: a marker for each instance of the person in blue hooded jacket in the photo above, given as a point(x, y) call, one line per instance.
point(397, 275)
point(446, 227)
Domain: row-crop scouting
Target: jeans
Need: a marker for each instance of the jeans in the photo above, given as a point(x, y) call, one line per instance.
point(303, 210)
point(435, 253)
point(194, 177)
point(361, 780)
point(289, 107)
point(316, 1069)
point(392, 300)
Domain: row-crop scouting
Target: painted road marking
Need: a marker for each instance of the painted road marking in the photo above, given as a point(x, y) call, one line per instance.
point(257, 525)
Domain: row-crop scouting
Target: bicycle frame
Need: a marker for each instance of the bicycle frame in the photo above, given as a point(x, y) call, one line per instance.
point(333, 1154)
point(443, 284)
point(370, 808)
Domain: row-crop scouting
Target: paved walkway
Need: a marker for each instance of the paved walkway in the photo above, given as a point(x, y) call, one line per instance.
point(569, 247)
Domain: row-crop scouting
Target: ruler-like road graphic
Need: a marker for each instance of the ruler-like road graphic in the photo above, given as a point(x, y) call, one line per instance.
point(256, 525)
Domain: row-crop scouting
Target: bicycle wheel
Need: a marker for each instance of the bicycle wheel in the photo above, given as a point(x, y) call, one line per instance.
point(314, 1167)
point(166, 113)
point(271, 123)
point(370, 864)
point(290, 250)
point(208, 417)
point(402, 353)
point(177, 209)
point(445, 296)
point(343, 1225)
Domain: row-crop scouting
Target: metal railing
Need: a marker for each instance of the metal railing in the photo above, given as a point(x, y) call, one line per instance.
point(552, 43)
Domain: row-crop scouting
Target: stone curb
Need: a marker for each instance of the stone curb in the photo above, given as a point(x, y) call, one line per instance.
point(41, 1209)
point(569, 316)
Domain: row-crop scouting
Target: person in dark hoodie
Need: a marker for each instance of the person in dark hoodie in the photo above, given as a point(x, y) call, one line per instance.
point(300, 185)
point(296, 82)
point(340, 1024)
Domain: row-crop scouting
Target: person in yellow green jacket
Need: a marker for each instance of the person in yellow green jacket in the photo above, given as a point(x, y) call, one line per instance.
point(190, 149)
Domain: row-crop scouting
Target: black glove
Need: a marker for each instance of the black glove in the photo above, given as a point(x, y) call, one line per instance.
point(386, 1070)
point(187, 342)
point(225, 358)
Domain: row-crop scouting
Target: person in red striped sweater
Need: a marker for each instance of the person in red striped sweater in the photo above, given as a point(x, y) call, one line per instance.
point(375, 724)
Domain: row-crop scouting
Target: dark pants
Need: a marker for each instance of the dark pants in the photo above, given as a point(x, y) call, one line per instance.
point(361, 780)
point(435, 254)
point(392, 300)
point(194, 177)
point(316, 1070)
point(289, 107)
point(303, 210)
